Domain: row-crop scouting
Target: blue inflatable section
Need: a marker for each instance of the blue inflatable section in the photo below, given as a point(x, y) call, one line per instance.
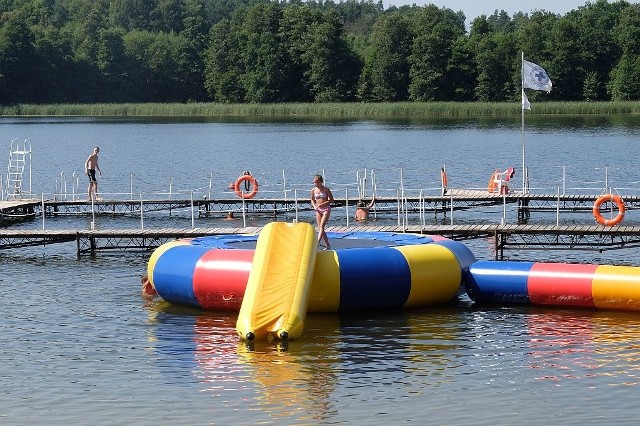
point(231, 241)
point(358, 290)
point(393, 239)
point(223, 241)
point(179, 272)
point(489, 281)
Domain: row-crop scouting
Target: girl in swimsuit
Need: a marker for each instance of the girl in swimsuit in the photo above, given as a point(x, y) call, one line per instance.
point(321, 199)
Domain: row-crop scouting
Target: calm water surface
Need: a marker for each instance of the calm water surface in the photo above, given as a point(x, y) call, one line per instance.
point(79, 345)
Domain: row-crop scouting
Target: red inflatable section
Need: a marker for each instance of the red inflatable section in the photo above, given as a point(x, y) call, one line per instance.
point(229, 270)
point(561, 284)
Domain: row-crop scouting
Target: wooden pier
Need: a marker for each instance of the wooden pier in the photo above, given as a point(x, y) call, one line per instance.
point(456, 200)
point(521, 236)
point(504, 237)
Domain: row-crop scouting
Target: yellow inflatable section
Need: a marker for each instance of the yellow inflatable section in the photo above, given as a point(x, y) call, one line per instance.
point(275, 300)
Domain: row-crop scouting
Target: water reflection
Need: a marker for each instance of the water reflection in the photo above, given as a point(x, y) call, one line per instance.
point(584, 344)
point(299, 376)
point(342, 361)
point(282, 378)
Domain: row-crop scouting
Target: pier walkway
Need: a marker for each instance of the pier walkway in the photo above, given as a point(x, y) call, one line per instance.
point(455, 200)
point(504, 237)
point(521, 236)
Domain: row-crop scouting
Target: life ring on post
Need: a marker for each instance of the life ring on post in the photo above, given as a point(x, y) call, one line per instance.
point(614, 199)
point(250, 181)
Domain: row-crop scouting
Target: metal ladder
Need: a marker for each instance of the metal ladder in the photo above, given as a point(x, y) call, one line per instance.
point(19, 157)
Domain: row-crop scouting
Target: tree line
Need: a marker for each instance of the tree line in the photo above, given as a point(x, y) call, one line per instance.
point(257, 51)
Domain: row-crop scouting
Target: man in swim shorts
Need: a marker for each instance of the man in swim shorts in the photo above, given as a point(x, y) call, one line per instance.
point(90, 167)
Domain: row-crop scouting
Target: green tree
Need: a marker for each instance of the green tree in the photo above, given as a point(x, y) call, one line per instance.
point(154, 64)
point(334, 67)
point(56, 72)
point(294, 34)
point(598, 50)
point(223, 63)
point(132, 14)
point(437, 30)
point(17, 61)
point(625, 76)
point(565, 67)
point(496, 60)
point(359, 16)
point(461, 71)
point(264, 71)
point(168, 16)
point(111, 63)
point(192, 50)
point(386, 71)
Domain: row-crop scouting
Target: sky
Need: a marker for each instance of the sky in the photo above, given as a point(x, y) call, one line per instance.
point(474, 8)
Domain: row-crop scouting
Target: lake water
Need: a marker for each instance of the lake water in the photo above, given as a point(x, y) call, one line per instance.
point(79, 345)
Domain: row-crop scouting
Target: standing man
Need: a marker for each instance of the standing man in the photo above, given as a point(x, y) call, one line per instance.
point(90, 167)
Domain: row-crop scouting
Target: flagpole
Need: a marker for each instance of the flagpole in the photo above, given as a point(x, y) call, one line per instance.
point(524, 170)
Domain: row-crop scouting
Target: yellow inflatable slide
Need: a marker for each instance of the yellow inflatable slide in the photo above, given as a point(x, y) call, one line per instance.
point(275, 300)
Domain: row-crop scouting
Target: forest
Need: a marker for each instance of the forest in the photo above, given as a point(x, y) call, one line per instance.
point(258, 51)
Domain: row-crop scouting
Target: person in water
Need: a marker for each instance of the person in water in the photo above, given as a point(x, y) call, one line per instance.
point(362, 210)
point(321, 199)
point(148, 290)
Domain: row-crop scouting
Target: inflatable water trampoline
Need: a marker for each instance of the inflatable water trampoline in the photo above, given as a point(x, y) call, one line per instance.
point(366, 270)
point(274, 278)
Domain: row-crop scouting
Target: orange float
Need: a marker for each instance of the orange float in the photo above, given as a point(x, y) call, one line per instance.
point(609, 198)
point(251, 181)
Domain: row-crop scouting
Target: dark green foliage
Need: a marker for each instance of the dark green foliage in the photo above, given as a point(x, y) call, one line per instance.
point(260, 51)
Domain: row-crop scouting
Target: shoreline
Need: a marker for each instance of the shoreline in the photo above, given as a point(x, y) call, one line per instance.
point(341, 111)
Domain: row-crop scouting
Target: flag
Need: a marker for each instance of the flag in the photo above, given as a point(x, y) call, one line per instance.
point(534, 77)
point(525, 101)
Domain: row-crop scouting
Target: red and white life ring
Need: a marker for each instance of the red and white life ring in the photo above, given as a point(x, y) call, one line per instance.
point(250, 180)
point(609, 198)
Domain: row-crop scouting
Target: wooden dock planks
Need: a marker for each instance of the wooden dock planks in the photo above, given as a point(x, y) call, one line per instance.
point(593, 237)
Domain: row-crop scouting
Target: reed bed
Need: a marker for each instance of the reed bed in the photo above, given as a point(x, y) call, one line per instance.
point(327, 110)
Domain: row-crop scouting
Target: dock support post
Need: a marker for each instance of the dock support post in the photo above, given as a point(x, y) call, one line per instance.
point(193, 225)
point(93, 214)
point(558, 208)
point(141, 212)
point(92, 245)
point(451, 207)
point(43, 211)
point(346, 204)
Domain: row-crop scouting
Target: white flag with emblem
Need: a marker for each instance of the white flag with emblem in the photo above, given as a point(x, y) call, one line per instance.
point(534, 77)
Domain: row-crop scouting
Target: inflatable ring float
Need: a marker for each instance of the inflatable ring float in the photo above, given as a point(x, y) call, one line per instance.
point(251, 181)
point(367, 270)
point(609, 198)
